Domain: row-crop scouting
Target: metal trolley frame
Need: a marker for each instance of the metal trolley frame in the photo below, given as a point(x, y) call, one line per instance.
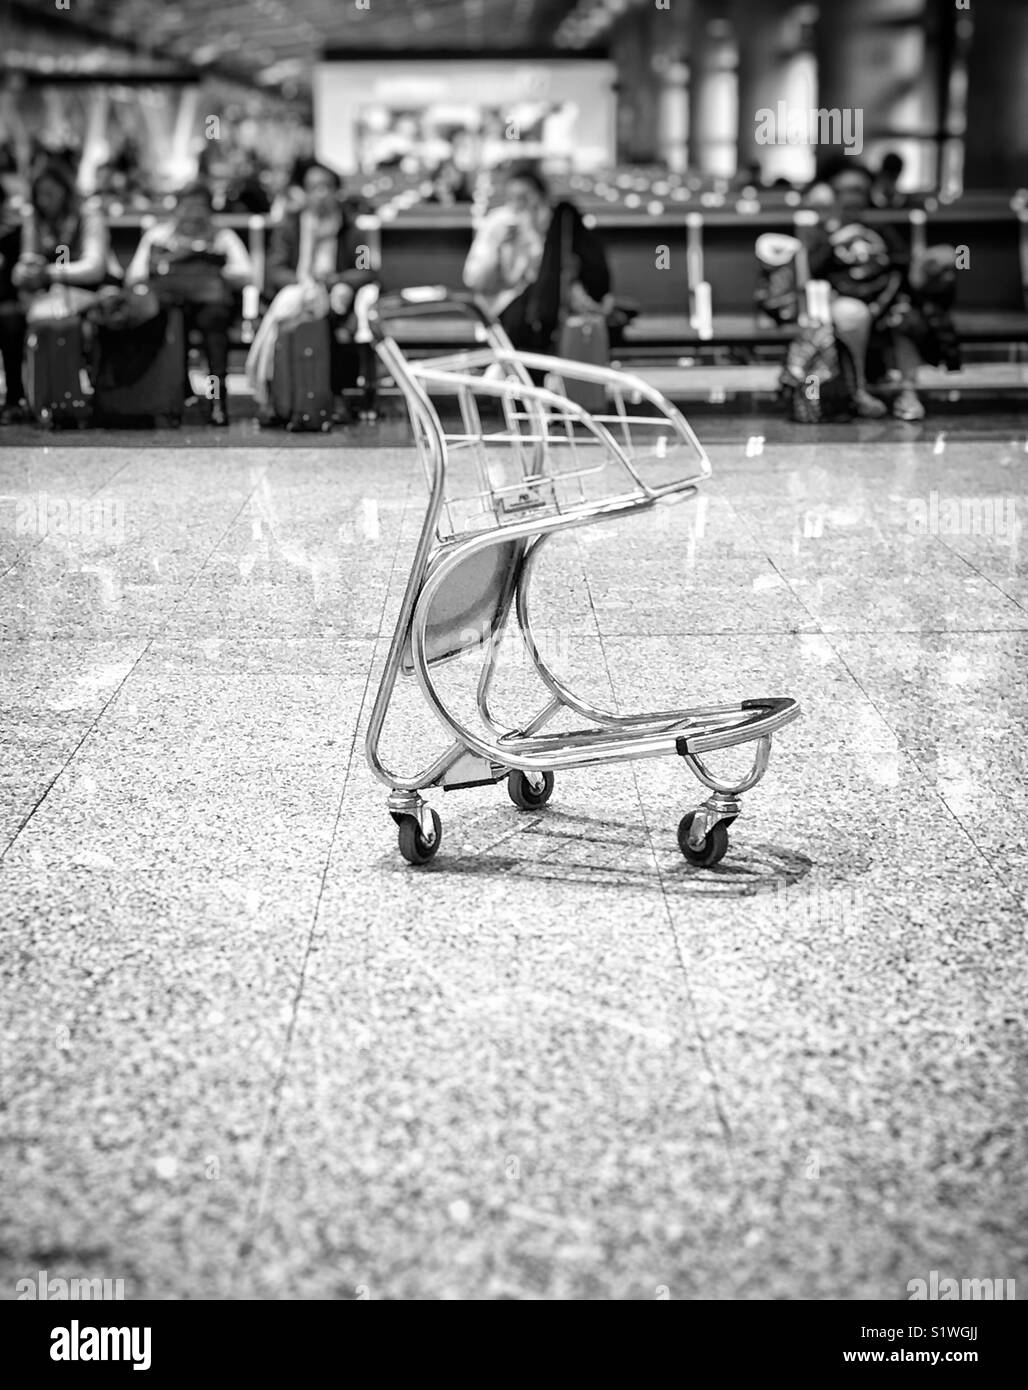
point(538, 465)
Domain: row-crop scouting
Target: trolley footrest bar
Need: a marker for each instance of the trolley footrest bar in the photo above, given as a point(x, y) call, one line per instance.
point(774, 709)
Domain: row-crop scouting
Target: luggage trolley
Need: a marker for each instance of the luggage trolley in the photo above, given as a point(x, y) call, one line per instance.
point(524, 463)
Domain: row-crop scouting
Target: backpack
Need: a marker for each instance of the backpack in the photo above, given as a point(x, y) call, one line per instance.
point(814, 380)
point(778, 276)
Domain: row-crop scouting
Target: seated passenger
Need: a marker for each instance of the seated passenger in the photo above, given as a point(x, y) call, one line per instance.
point(865, 266)
point(64, 241)
point(61, 263)
point(885, 189)
point(192, 263)
point(12, 316)
point(516, 262)
point(317, 261)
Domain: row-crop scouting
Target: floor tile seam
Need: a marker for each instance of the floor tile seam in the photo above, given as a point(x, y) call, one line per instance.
point(229, 528)
point(994, 583)
point(172, 638)
point(74, 752)
point(262, 1176)
point(757, 541)
point(742, 513)
point(37, 543)
point(142, 537)
point(705, 1052)
point(147, 644)
point(999, 878)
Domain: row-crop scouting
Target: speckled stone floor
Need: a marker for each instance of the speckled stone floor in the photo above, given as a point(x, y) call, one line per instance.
point(246, 1052)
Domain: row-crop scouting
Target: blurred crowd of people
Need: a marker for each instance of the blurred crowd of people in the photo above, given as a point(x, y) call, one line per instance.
point(534, 260)
point(240, 180)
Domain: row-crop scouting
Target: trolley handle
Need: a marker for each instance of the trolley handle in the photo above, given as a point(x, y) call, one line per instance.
point(426, 374)
point(424, 301)
point(617, 380)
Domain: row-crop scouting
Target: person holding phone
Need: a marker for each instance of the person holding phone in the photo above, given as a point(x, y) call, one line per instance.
point(526, 253)
point(191, 262)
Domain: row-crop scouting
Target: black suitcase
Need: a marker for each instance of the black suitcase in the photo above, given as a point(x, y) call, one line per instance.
point(301, 381)
point(142, 372)
point(55, 374)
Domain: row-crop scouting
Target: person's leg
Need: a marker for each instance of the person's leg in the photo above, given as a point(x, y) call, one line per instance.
point(907, 405)
point(12, 346)
point(851, 320)
point(189, 312)
point(526, 336)
point(213, 320)
point(342, 365)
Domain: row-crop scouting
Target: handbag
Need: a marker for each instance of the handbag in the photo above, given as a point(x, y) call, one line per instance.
point(58, 303)
point(189, 277)
point(815, 380)
point(119, 310)
point(621, 314)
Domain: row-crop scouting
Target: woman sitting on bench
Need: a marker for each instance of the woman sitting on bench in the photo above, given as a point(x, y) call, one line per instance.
point(317, 261)
point(192, 263)
point(516, 263)
point(872, 315)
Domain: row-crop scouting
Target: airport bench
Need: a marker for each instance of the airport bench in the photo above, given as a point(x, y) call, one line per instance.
point(658, 262)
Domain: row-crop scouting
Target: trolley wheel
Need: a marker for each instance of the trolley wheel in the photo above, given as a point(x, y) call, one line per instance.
point(413, 845)
point(715, 845)
point(524, 795)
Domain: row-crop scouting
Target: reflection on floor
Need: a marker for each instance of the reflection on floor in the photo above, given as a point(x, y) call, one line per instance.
point(247, 1051)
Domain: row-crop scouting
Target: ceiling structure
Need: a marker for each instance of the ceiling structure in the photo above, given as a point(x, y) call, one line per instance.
point(274, 43)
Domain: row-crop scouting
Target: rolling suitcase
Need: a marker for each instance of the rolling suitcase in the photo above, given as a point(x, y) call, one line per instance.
point(301, 381)
point(584, 338)
point(158, 390)
point(55, 374)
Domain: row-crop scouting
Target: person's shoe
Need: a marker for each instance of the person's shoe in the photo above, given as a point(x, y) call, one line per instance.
point(219, 415)
point(13, 415)
point(907, 406)
point(868, 407)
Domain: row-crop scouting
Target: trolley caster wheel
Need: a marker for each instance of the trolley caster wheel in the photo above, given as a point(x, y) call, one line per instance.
point(715, 845)
point(524, 794)
point(413, 845)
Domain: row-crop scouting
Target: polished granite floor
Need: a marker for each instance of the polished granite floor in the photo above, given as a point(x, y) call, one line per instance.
point(245, 1051)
